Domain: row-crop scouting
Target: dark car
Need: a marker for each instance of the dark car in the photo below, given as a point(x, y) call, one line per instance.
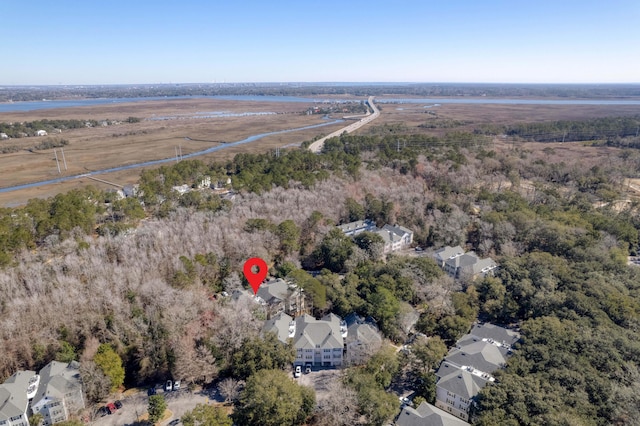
point(151, 391)
point(103, 411)
point(111, 407)
point(118, 404)
point(174, 422)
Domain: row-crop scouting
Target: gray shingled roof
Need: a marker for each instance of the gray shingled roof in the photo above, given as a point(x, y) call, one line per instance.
point(446, 252)
point(496, 333)
point(366, 334)
point(56, 380)
point(279, 325)
point(358, 224)
point(311, 332)
point(460, 382)
point(427, 415)
point(274, 291)
point(480, 355)
point(13, 394)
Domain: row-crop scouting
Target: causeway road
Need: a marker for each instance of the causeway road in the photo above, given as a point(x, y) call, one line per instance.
point(317, 145)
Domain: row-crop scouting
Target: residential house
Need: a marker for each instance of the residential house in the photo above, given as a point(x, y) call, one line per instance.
point(456, 388)
point(41, 133)
point(394, 237)
point(445, 253)
point(490, 333)
point(363, 339)
point(427, 415)
point(469, 366)
point(15, 393)
point(279, 295)
point(60, 392)
point(4, 136)
point(317, 342)
point(469, 265)
point(479, 355)
point(354, 228)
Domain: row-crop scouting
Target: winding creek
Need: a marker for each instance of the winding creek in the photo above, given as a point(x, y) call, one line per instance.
point(164, 160)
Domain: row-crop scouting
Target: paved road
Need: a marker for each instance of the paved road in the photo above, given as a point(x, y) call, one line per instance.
point(317, 145)
point(136, 405)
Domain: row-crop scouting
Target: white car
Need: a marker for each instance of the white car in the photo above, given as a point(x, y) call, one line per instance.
point(176, 385)
point(298, 372)
point(168, 387)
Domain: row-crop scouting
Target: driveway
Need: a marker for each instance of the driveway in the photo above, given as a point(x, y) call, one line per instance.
point(319, 379)
point(135, 405)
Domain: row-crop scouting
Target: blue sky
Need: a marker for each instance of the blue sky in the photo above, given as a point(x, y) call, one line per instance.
point(138, 41)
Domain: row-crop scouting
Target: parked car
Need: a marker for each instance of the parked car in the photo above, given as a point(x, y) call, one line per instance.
point(168, 387)
point(298, 372)
point(174, 422)
point(118, 404)
point(307, 369)
point(176, 385)
point(151, 391)
point(111, 407)
point(103, 411)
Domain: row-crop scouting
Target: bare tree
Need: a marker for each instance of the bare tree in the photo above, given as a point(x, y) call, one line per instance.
point(94, 383)
point(339, 407)
point(230, 389)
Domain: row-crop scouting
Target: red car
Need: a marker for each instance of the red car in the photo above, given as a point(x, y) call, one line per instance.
point(111, 407)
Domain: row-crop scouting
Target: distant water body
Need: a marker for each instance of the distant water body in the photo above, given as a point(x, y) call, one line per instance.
point(38, 105)
point(72, 103)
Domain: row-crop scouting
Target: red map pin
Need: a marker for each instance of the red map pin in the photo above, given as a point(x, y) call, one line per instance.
point(255, 278)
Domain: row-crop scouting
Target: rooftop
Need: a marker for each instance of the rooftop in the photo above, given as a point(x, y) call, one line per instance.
point(463, 382)
point(427, 415)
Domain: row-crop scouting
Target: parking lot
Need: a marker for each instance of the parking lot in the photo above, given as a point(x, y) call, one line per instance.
point(135, 406)
point(319, 379)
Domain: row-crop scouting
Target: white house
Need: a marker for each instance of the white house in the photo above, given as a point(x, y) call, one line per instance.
point(317, 342)
point(394, 237)
point(41, 133)
point(60, 392)
point(4, 136)
point(14, 398)
point(469, 367)
point(456, 388)
point(363, 339)
point(446, 253)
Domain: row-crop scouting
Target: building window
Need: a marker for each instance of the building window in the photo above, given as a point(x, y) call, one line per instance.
point(327, 350)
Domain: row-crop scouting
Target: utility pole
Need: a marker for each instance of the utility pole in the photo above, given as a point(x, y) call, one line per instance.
point(64, 160)
point(57, 162)
point(176, 149)
point(180, 149)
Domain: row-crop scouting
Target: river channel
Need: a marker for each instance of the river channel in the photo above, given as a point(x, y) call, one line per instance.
point(164, 160)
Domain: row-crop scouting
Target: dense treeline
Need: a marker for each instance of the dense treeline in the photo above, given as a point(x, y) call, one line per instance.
point(604, 128)
point(313, 89)
point(151, 294)
point(29, 128)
